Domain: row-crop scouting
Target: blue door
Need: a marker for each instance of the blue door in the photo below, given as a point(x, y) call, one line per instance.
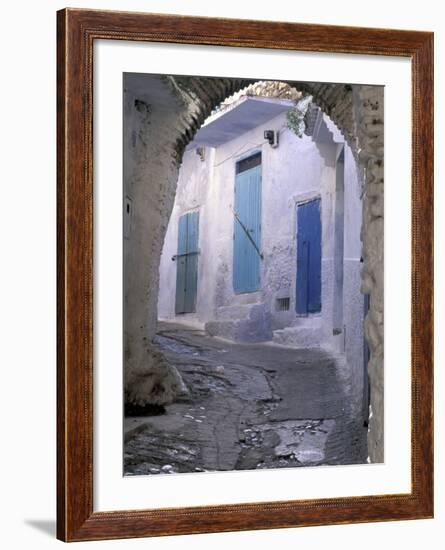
point(247, 227)
point(308, 294)
point(187, 263)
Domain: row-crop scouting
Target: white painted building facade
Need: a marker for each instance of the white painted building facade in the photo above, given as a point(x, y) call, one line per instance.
point(317, 167)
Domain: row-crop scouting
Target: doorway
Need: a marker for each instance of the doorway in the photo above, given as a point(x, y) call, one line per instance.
point(187, 263)
point(247, 225)
point(308, 292)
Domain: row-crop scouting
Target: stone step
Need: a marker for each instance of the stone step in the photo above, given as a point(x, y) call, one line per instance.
point(298, 337)
point(311, 322)
point(222, 329)
point(254, 327)
point(233, 313)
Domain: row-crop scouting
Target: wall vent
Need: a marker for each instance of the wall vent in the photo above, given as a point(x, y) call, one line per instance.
point(283, 304)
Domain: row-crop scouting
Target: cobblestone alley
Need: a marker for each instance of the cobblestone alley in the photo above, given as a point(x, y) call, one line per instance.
point(248, 406)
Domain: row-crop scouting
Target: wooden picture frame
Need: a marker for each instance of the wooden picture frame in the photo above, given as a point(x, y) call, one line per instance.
point(77, 31)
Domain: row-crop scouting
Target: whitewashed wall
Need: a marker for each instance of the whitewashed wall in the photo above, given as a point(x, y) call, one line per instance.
point(296, 171)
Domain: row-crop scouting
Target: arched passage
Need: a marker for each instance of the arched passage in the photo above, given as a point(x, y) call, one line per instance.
point(162, 114)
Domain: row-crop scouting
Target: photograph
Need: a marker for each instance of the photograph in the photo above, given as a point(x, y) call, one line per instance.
point(247, 330)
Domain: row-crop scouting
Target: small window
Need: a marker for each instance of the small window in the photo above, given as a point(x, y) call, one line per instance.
point(248, 163)
point(282, 304)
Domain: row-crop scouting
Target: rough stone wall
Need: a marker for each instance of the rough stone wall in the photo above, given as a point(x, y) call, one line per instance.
point(263, 88)
point(154, 156)
point(369, 118)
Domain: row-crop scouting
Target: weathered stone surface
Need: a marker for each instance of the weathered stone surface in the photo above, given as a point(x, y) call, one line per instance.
point(155, 381)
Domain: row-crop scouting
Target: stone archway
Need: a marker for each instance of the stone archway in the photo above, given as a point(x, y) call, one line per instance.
point(162, 114)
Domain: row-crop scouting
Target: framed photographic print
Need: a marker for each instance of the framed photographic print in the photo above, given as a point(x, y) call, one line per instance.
point(245, 226)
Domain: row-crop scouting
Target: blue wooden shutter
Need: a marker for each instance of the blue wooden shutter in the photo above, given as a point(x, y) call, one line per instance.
point(181, 263)
point(191, 283)
point(187, 263)
point(308, 295)
point(246, 258)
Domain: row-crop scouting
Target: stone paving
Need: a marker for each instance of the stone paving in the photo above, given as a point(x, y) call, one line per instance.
point(249, 406)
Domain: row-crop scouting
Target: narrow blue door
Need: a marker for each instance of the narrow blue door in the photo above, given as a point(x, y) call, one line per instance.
point(187, 263)
point(247, 229)
point(308, 295)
